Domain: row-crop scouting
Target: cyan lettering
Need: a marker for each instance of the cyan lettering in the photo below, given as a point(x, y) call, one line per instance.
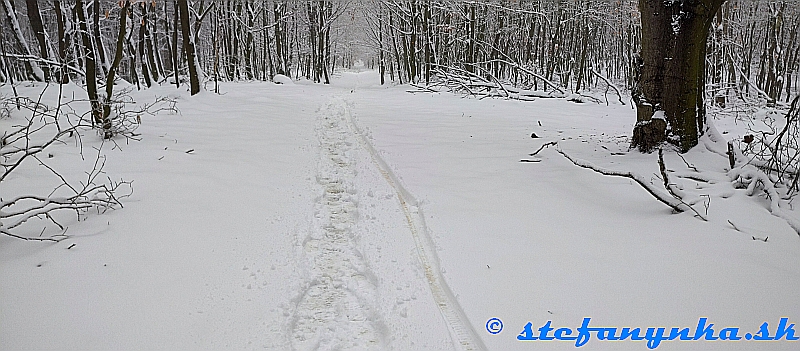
point(654, 337)
point(527, 333)
point(543, 330)
point(607, 334)
point(730, 333)
point(783, 330)
point(633, 334)
point(559, 334)
point(763, 333)
point(682, 333)
point(703, 330)
point(584, 333)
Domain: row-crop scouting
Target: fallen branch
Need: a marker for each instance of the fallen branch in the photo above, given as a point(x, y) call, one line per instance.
point(667, 184)
point(28, 141)
point(547, 144)
point(675, 204)
point(608, 82)
point(91, 194)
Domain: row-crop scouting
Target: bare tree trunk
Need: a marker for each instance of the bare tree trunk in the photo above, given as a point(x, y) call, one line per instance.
point(35, 19)
point(215, 24)
point(325, 38)
point(167, 36)
point(99, 47)
point(380, 49)
point(91, 69)
point(112, 71)
point(269, 62)
point(175, 54)
point(32, 69)
point(134, 75)
point(148, 42)
point(141, 44)
point(280, 36)
point(671, 80)
point(188, 45)
point(63, 40)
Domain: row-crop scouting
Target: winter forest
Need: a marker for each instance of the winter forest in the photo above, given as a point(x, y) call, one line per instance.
point(399, 175)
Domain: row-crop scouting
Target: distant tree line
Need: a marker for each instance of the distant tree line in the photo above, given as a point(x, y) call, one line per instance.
point(574, 45)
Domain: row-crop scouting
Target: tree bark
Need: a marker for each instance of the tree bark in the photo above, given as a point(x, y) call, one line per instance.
point(149, 39)
point(175, 54)
point(188, 46)
point(671, 77)
point(91, 65)
point(31, 67)
point(35, 18)
point(141, 45)
point(63, 41)
point(112, 71)
point(278, 29)
point(99, 47)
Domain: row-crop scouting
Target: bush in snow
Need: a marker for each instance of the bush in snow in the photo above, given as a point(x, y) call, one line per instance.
point(774, 147)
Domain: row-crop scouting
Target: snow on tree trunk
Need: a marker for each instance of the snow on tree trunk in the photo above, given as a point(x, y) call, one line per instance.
point(671, 77)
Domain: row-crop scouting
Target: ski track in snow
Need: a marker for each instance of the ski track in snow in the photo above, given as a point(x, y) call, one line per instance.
point(461, 331)
point(337, 308)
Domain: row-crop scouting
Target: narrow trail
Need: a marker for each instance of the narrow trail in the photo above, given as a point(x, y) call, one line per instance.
point(337, 308)
point(461, 331)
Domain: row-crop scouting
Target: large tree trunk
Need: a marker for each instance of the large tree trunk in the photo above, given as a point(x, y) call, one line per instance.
point(188, 45)
point(671, 77)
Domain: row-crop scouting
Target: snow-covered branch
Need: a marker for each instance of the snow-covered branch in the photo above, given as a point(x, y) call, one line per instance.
point(675, 203)
point(26, 143)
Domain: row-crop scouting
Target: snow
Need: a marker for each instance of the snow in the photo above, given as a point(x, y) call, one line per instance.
point(358, 216)
point(282, 79)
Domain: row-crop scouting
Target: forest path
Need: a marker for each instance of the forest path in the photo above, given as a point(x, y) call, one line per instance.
point(337, 306)
point(354, 296)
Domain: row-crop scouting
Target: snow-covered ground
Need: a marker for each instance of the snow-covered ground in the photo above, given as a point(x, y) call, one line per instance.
point(359, 216)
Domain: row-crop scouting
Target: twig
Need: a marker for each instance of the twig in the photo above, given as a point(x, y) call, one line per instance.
point(608, 82)
point(687, 163)
point(675, 204)
point(734, 226)
point(547, 144)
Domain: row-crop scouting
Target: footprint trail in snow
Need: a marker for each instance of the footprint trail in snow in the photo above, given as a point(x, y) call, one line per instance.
point(337, 308)
point(344, 304)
